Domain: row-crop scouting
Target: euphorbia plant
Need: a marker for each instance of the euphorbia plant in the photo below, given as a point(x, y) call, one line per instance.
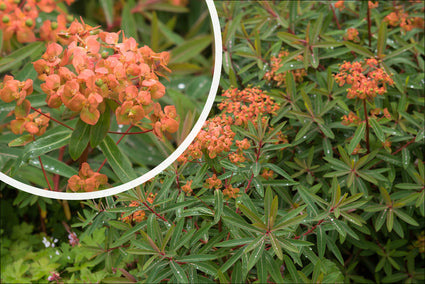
point(88, 76)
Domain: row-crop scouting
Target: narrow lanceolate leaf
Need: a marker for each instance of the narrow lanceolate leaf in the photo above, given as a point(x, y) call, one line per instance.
point(99, 131)
point(276, 246)
point(196, 258)
point(108, 10)
point(237, 255)
point(405, 157)
point(178, 272)
point(321, 241)
point(377, 129)
point(218, 205)
point(256, 254)
point(189, 49)
point(49, 142)
point(21, 141)
point(128, 23)
point(406, 218)
point(119, 163)
point(358, 49)
point(79, 139)
point(291, 268)
point(16, 58)
point(358, 135)
point(382, 39)
point(54, 166)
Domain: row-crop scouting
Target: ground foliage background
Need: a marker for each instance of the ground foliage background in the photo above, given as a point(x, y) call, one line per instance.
point(300, 175)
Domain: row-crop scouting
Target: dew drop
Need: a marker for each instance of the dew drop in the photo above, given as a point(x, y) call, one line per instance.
point(181, 86)
point(292, 65)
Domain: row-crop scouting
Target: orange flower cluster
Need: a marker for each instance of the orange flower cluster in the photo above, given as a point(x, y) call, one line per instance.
point(187, 188)
point(247, 105)
point(276, 64)
point(84, 75)
point(217, 137)
point(87, 180)
point(267, 174)
point(367, 80)
point(19, 17)
point(340, 5)
point(352, 34)
point(214, 138)
point(377, 111)
point(14, 90)
point(213, 182)
point(351, 119)
point(137, 216)
point(402, 19)
point(230, 191)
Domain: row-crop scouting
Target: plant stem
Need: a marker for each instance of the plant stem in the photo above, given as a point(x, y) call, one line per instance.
point(369, 24)
point(367, 126)
point(44, 173)
point(119, 140)
point(49, 117)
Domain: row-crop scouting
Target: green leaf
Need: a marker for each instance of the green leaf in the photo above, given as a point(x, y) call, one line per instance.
point(399, 51)
point(406, 218)
point(256, 254)
point(50, 141)
point(335, 250)
point(358, 135)
point(194, 258)
point(276, 246)
point(119, 163)
point(321, 241)
point(79, 139)
point(189, 49)
point(377, 129)
point(128, 23)
point(16, 58)
point(218, 205)
point(21, 141)
point(291, 268)
point(359, 49)
point(327, 131)
point(178, 272)
point(99, 131)
point(54, 166)
point(390, 220)
point(237, 254)
point(405, 158)
point(108, 10)
point(382, 39)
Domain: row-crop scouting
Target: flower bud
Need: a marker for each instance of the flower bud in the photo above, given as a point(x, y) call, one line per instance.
point(2, 6)
point(69, 18)
point(5, 19)
point(99, 82)
point(29, 23)
point(54, 25)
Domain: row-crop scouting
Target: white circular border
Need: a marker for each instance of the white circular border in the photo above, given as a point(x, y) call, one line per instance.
point(164, 164)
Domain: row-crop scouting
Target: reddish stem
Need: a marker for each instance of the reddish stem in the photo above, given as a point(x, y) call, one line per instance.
point(57, 177)
point(335, 18)
point(119, 140)
point(309, 231)
point(369, 24)
point(55, 120)
point(154, 212)
point(131, 133)
point(44, 173)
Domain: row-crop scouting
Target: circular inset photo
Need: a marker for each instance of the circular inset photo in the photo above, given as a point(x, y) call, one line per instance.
point(93, 106)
